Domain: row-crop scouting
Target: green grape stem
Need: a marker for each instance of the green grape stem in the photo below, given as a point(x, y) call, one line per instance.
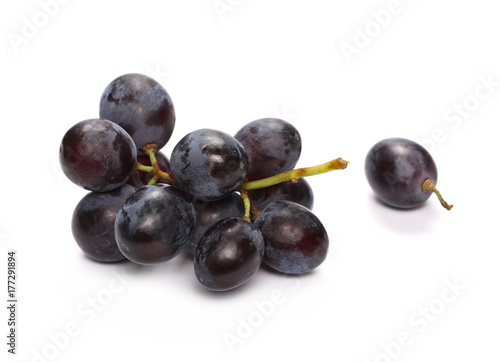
point(141, 167)
point(294, 175)
point(248, 205)
point(428, 186)
point(250, 211)
point(150, 150)
point(153, 180)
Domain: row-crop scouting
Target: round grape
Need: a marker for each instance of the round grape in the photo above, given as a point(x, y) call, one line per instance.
point(154, 224)
point(208, 164)
point(273, 146)
point(97, 155)
point(93, 223)
point(396, 168)
point(229, 254)
point(142, 107)
point(296, 240)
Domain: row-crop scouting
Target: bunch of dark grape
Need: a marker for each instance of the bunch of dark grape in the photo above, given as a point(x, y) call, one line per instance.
point(233, 202)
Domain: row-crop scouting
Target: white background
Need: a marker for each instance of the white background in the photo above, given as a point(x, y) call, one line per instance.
point(387, 277)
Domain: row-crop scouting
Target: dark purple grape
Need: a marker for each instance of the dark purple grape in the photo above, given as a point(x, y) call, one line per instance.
point(141, 178)
point(273, 146)
point(229, 254)
point(93, 223)
point(396, 168)
point(208, 213)
point(299, 192)
point(97, 155)
point(208, 164)
point(141, 106)
point(154, 224)
point(296, 240)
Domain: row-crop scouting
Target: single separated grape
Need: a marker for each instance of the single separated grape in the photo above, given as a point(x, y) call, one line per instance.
point(396, 169)
point(97, 155)
point(296, 240)
point(228, 254)
point(208, 164)
point(154, 224)
point(142, 107)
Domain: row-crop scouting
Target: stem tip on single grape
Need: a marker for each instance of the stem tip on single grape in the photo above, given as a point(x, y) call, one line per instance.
point(428, 186)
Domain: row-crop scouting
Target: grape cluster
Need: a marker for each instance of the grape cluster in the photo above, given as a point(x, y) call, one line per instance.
point(232, 202)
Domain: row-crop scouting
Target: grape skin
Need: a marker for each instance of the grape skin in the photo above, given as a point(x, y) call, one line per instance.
point(229, 254)
point(272, 145)
point(142, 107)
point(209, 213)
point(396, 168)
point(299, 192)
point(208, 164)
point(296, 240)
point(93, 223)
point(97, 155)
point(154, 224)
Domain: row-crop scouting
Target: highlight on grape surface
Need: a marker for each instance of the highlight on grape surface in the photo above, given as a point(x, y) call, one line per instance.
point(232, 202)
